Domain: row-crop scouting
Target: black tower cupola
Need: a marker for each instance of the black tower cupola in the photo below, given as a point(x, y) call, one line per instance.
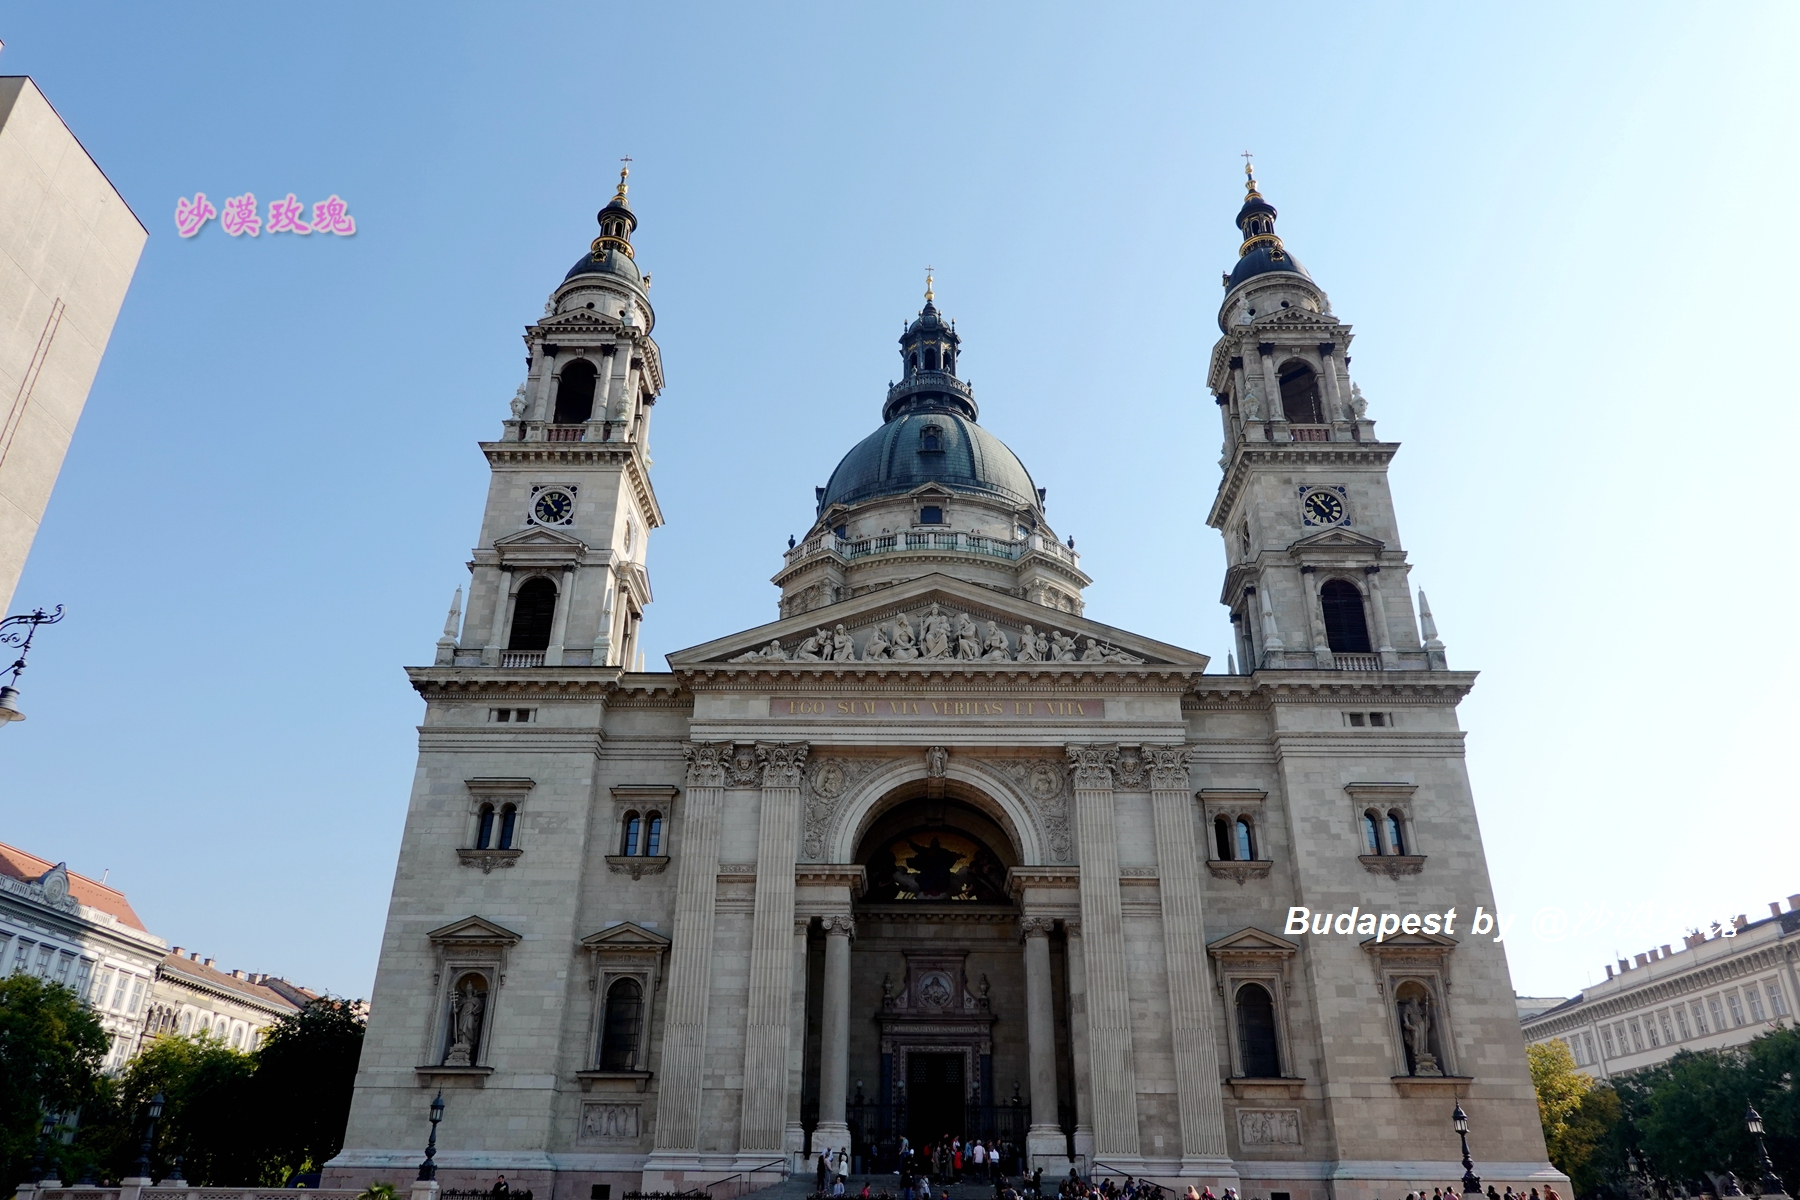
point(1261, 251)
point(928, 352)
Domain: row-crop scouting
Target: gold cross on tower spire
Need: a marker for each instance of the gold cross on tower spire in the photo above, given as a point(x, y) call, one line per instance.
point(928, 295)
point(624, 173)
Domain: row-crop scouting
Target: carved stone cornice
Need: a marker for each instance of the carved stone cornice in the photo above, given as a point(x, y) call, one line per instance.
point(1020, 878)
point(706, 763)
point(1240, 871)
point(1392, 865)
point(1092, 766)
point(637, 865)
point(783, 763)
point(487, 860)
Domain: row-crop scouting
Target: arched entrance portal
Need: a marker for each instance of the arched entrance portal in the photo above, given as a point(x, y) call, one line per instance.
point(939, 1044)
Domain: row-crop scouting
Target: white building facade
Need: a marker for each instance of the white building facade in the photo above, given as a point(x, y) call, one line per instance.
point(1716, 991)
point(66, 928)
point(936, 852)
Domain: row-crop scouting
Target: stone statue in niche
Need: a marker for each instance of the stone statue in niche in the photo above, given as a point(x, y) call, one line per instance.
point(1415, 1023)
point(887, 990)
point(467, 1004)
point(937, 762)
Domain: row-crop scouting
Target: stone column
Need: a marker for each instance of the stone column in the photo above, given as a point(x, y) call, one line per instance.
point(690, 961)
point(1272, 393)
point(794, 1136)
point(1315, 619)
point(490, 655)
point(603, 383)
point(769, 1023)
point(540, 410)
point(834, 1048)
point(1272, 643)
point(1078, 1041)
point(559, 624)
point(1112, 1068)
point(1334, 401)
point(626, 399)
point(1384, 642)
point(1203, 1147)
point(1044, 1138)
point(603, 631)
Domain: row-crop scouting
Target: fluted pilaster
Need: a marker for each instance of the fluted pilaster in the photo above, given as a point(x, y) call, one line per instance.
point(769, 1027)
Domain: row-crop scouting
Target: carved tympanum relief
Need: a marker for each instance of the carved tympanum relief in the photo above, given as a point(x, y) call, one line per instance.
point(1044, 780)
point(939, 636)
point(828, 781)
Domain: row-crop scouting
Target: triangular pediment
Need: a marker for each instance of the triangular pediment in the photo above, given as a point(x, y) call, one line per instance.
point(626, 935)
point(1338, 539)
point(579, 318)
point(1294, 318)
point(937, 621)
point(538, 535)
point(1410, 943)
point(1252, 942)
point(474, 930)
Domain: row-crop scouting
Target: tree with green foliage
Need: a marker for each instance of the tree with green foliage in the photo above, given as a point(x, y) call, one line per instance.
point(51, 1047)
point(305, 1074)
point(1578, 1115)
point(209, 1116)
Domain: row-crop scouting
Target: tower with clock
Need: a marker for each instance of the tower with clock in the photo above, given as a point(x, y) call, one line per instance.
point(558, 578)
point(1315, 567)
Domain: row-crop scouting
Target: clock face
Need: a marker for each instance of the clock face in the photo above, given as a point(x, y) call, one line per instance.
point(1323, 507)
point(553, 508)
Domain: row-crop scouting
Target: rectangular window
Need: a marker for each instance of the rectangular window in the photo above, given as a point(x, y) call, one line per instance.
point(1668, 1029)
point(120, 982)
point(1650, 1031)
point(137, 995)
point(45, 953)
point(62, 968)
point(1589, 1039)
point(1756, 1008)
point(1718, 1015)
point(1606, 1040)
point(1681, 1023)
point(1357, 719)
point(5, 945)
point(21, 957)
point(1637, 1036)
point(1378, 719)
point(82, 975)
point(1776, 1000)
point(1737, 1009)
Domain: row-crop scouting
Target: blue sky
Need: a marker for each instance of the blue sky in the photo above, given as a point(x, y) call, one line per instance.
point(1552, 226)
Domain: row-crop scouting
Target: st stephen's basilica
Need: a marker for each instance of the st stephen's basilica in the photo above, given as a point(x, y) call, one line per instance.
point(937, 852)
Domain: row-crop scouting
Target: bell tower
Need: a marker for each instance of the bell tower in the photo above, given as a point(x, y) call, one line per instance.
point(1316, 577)
point(558, 578)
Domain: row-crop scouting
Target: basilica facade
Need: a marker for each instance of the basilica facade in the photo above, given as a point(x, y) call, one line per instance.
point(937, 852)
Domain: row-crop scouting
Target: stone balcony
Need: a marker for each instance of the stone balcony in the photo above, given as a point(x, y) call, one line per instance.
point(930, 541)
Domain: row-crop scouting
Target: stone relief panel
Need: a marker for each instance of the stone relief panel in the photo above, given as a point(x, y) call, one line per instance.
point(1268, 1126)
point(1045, 782)
point(827, 782)
point(609, 1121)
point(938, 636)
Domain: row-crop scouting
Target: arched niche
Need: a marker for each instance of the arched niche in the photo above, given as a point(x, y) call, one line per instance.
point(965, 782)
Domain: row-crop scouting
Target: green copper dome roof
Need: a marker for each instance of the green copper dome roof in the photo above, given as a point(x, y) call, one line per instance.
point(897, 458)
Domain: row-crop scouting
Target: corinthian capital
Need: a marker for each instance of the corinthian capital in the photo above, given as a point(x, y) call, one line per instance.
point(1093, 766)
point(1168, 767)
point(706, 763)
point(782, 763)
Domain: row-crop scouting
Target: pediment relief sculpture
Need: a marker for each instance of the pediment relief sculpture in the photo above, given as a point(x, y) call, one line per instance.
point(936, 635)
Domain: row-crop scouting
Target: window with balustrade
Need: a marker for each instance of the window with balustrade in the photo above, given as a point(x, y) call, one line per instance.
point(1300, 401)
point(575, 393)
point(534, 614)
point(1346, 627)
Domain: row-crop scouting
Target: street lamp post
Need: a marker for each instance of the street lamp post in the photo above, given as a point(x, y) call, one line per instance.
point(1471, 1182)
point(43, 1148)
point(18, 631)
point(152, 1115)
point(1771, 1183)
point(428, 1168)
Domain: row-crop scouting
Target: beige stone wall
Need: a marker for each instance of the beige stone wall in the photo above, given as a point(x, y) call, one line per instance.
point(68, 247)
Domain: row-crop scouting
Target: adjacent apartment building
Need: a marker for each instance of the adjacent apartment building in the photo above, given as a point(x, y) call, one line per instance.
point(68, 247)
point(1715, 991)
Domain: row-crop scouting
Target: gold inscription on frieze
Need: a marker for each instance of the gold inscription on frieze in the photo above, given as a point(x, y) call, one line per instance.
point(995, 709)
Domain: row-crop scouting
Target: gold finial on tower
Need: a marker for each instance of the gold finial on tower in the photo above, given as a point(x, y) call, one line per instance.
point(928, 293)
point(624, 174)
point(1249, 177)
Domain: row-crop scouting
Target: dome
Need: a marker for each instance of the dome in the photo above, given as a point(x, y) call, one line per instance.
point(609, 261)
point(892, 461)
point(1262, 260)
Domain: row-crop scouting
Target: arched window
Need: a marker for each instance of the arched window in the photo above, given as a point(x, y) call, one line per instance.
point(653, 825)
point(187, 1022)
point(533, 612)
point(629, 842)
point(1246, 846)
point(484, 833)
point(1300, 394)
point(1371, 837)
point(621, 1026)
point(1345, 630)
point(931, 358)
point(509, 826)
point(237, 1036)
point(913, 362)
point(1396, 840)
point(1256, 1032)
point(575, 394)
point(950, 361)
point(1222, 838)
point(931, 438)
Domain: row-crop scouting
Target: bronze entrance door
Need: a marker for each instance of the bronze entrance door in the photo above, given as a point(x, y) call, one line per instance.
point(934, 1097)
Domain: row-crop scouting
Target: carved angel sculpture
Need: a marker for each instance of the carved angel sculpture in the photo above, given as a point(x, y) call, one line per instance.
point(968, 638)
